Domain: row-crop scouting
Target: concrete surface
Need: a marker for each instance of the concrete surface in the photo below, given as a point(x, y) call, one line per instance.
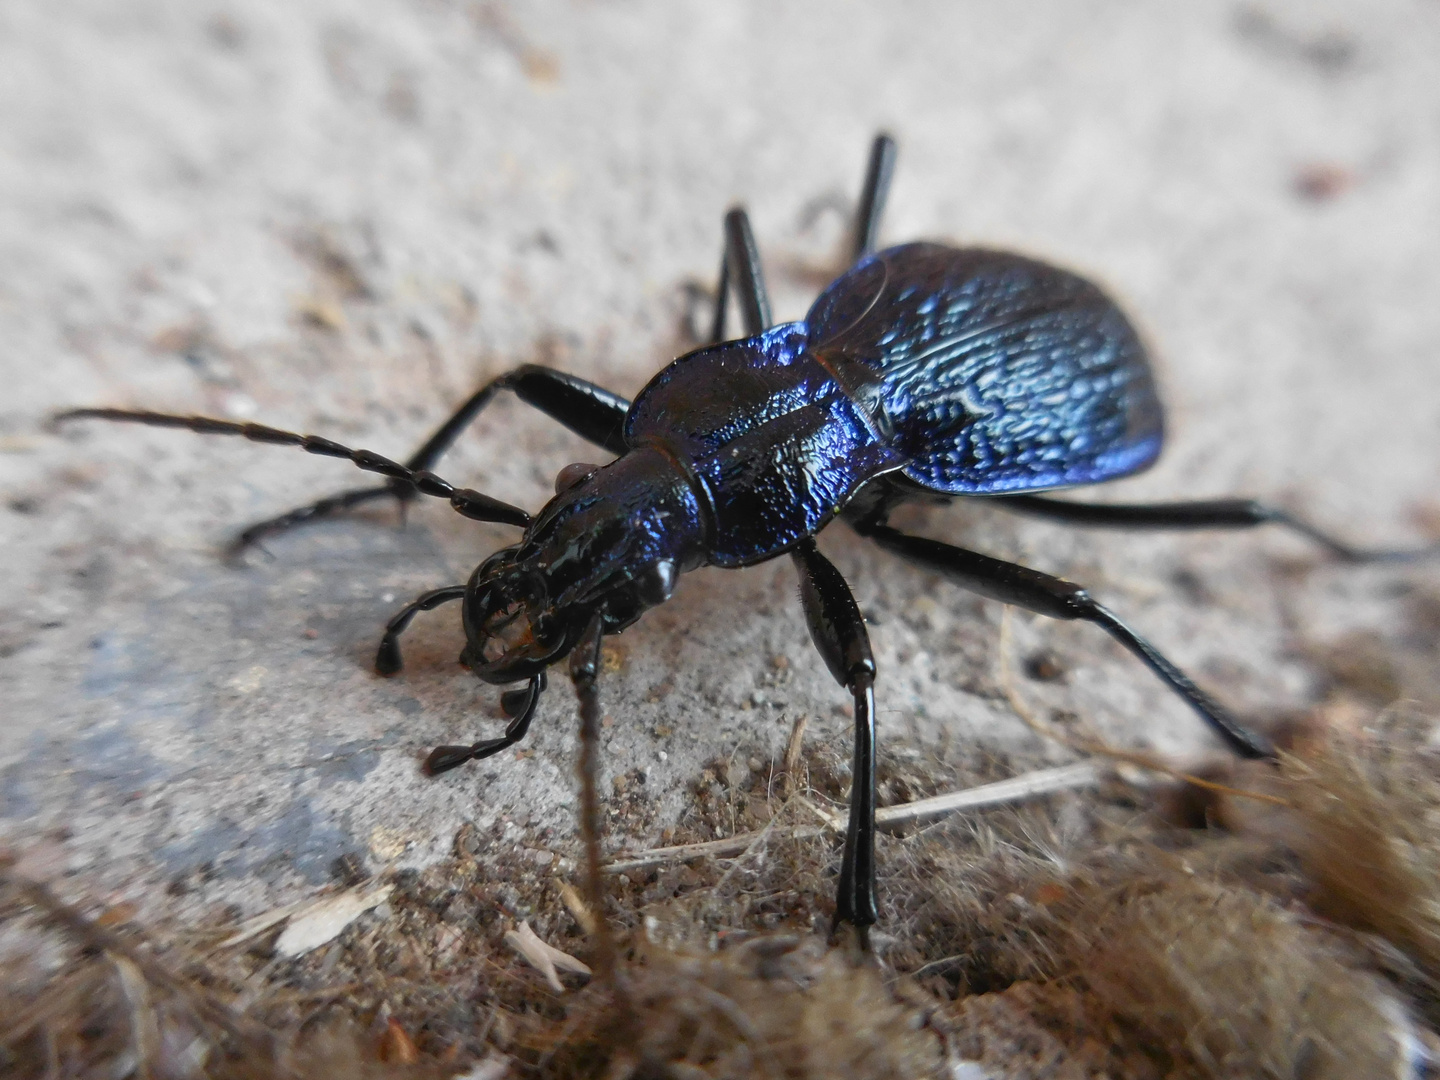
point(340, 217)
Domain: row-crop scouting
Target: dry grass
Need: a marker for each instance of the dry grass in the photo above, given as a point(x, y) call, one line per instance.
point(1075, 936)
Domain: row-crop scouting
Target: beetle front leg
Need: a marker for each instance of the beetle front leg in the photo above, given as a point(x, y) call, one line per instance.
point(1059, 599)
point(590, 411)
point(838, 631)
point(520, 705)
point(387, 657)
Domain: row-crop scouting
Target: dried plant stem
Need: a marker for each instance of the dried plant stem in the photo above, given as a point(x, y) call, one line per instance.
point(1016, 789)
point(791, 768)
point(590, 828)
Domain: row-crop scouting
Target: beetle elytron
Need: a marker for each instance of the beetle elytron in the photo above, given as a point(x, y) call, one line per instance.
point(923, 371)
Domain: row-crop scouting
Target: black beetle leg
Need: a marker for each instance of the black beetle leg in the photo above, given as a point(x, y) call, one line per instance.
point(1204, 514)
point(872, 197)
point(520, 705)
point(588, 410)
point(1059, 599)
point(722, 297)
point(320, 508)
point(387, 657)
point(585, 676)
point(740, 268)
point(838, 631)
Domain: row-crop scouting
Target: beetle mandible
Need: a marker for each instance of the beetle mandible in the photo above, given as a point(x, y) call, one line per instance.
point(924, 371)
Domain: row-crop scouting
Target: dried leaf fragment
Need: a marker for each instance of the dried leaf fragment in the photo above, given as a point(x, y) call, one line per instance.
point(396, 1046)
point(542, 956)
point(325, 919)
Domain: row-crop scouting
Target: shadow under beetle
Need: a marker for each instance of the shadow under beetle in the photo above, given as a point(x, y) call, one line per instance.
point(922, 371)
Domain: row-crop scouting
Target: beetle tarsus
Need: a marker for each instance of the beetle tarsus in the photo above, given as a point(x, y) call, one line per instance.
point(584, 675)
point(444, 758)
point(387, 656)
point(315, 512)
point(874, 194)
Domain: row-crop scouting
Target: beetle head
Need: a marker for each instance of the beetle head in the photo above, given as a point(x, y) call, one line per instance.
point(511, 629)
point(612, 541)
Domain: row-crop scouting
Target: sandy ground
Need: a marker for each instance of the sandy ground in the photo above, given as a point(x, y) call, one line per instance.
point(342, 217)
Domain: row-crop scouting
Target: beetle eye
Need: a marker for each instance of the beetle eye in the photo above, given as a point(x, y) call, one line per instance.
point(571, 475)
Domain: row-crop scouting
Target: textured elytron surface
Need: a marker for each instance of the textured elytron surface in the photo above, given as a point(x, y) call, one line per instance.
point(998, 373)
point(777, 443)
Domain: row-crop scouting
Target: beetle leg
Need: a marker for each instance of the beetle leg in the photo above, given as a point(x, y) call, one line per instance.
point(1059, 599)
point(873, 195)
point(1204, 514)
point(740, 268)
point(838, 631)
point(589, 411)
point(387, 658)
point(722, 298)
point(520, 705)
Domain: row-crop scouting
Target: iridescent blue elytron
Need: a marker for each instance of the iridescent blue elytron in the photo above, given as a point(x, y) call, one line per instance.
point(923, 371)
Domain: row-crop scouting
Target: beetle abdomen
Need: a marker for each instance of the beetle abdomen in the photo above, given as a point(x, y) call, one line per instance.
point(995, 373)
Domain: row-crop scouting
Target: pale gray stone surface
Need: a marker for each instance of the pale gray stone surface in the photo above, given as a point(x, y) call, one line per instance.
point(180, 182)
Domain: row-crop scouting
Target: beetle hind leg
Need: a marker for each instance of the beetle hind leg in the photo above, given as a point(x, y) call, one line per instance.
point(873, 195)
point(1060, 599)
point(740, 272)
point(329, 506)
point(1203, 514)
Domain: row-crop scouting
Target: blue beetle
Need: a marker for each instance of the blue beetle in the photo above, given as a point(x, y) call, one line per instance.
point(924, 371)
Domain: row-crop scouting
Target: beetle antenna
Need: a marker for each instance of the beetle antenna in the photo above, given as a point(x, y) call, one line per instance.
point(470, 503)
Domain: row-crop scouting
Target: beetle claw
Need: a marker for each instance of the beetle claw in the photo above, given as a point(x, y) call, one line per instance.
point(387, 657)
point(444, 758)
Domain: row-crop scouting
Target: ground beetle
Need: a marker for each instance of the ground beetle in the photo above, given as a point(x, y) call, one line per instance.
point(922, 371)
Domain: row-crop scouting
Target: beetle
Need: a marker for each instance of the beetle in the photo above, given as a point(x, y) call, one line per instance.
point(923, 372)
